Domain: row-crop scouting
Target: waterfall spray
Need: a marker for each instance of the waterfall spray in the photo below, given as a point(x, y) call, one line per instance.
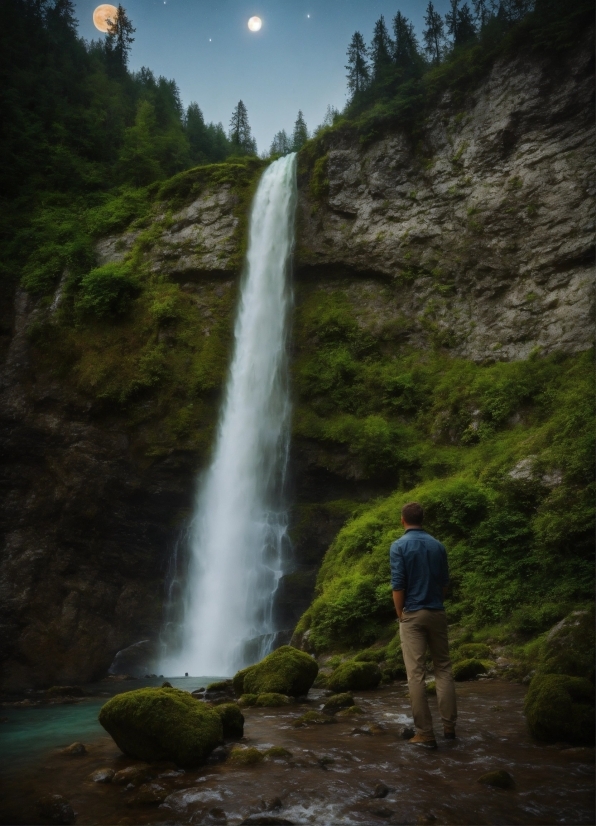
point(239, 528)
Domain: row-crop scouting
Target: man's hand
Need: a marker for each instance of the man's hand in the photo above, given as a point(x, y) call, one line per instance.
point(399, 598)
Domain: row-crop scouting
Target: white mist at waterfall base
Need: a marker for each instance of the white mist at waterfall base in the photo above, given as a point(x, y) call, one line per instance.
point(238, 535)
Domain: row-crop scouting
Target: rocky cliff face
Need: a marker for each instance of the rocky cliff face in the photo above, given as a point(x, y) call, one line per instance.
point(484, 230)
point(478, 240)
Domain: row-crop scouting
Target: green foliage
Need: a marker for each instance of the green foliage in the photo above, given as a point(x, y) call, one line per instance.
point(355, 676)
point(232, 720)
point(285, 671)
point(472, 650)
point(106, 291)
point(162, 724)
point(559, 708)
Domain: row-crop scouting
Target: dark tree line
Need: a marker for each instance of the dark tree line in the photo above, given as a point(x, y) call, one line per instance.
point(396, 55)
point(74, 117)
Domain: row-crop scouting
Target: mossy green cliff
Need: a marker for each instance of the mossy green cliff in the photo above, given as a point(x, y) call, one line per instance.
point(440, 351)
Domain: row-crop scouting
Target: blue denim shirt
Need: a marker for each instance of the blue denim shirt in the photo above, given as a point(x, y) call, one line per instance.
point(419, 567)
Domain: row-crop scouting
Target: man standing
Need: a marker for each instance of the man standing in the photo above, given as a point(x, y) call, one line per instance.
point(419, 578)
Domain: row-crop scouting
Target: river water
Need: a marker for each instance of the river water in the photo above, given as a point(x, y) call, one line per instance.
point(332, 773)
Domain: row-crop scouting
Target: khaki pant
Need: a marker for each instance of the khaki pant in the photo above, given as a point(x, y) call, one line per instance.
point(419, 630)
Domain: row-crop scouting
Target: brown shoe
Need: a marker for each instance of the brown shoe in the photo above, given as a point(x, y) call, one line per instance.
point(424, 741)
point(449, 732)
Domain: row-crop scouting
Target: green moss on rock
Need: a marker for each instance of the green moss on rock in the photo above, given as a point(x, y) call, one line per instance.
point(468, 669)
point(500, 779)
point(271, 700)
point(162, 724)
point(313, 718)
point(472, 650)
point(278, 753)
point(355, 676)
point(285, 671)
point(338, 701)
point(247, 700)
point(349, 712)
point(232, 719)
point(559, 707)
point(246, 757)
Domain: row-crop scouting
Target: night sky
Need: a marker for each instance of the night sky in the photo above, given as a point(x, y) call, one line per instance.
point(294, 62)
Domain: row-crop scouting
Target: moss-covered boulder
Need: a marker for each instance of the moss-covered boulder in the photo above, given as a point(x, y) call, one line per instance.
point(248, 700)
point(355, 676)
point(472, 651)
point(313, 718)
point(468, 669)
point(232, 720)
point(246, 757)
point(271, 700)
point(337, 701)
point(569, 646)
point(162, 724)
point(285, 671)
point(559, 707)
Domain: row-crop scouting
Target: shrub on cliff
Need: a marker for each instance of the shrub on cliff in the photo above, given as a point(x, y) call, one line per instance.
point(162, 724)
point(355, 676)
point(285, 671)
point(559, 707)
point(106, 291)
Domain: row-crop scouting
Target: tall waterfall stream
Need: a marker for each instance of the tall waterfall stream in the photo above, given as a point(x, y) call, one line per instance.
point(238, 534)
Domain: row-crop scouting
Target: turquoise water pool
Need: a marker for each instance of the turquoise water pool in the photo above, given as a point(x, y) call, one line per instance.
point(29, 733)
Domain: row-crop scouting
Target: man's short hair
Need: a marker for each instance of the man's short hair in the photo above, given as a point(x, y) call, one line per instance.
point(412, 513)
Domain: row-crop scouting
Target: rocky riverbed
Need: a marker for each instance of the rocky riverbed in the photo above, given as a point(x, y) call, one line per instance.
point(356, 769)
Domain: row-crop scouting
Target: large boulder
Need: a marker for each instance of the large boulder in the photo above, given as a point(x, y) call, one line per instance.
point(162, 724)
point(468, 669)
point(569, 646)
point(355, 676)
point(232, 720)
point(285, 671)
point(559, 707)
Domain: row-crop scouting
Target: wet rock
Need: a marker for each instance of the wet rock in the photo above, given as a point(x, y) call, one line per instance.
point(220, 691)
point(355, 676)
point(500, 779)
point(246, 757)
point(349, 712)
point(135, 660)
point(278, 753)
point(271, 700)
point(162, 724)
point(431, 688)
point(272, 804)
point(266, 820)
point(219, 755)
point(75, 750)
point(135, 775)
point(313, 718)
point(559, 708)
point(337, 701)
point(381, 790)
point(232, 720)
point(382, 812)
point(248, 700)
point(372, 730)
point(216, 815)
point(102, 776)
point(150, 794)
point(407, 733)
point(169, 685)
point(285, 671)
point(468, 670)
point(56, 809)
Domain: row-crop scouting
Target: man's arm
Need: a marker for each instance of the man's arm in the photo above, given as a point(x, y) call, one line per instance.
point(399, 598)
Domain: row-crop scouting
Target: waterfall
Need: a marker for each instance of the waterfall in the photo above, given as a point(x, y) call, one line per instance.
point(238, 533)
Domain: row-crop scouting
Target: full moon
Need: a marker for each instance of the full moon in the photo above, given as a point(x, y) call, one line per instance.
point(102, 14)
point(254, 24)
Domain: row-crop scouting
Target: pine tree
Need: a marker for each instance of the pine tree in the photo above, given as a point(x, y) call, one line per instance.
point(330, 114)
point(240, 136)
point(280, 145)
point(483, 11)
point(434, 34)
point(358, 69)
point(300, 135)
point(381, 49)
point(460, 23)
point(405, 52)
point(196, 132)
point(119, 41)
